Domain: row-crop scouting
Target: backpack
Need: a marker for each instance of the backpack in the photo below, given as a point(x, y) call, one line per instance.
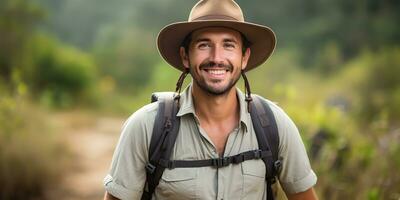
point(166, 128)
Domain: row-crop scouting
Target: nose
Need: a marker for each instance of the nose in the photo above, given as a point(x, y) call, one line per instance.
point(217, 54)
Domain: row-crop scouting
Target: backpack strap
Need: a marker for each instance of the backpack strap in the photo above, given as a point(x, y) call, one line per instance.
point(216, 162)
point(266, 130)
point(165, 131)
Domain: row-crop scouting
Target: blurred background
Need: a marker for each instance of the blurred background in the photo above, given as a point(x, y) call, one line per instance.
point(72, 71)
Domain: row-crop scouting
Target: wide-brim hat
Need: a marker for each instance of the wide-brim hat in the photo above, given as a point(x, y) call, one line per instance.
point(216, 13)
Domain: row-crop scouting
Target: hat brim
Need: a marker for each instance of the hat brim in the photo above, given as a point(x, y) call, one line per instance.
point(262, 40)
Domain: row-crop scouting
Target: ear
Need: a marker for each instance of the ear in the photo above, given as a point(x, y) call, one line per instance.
point(245, 58)
point(184, 57)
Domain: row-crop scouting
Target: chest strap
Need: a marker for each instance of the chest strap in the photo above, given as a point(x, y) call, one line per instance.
point(216, 162)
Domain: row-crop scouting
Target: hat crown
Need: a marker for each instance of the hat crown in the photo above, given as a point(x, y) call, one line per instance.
point(216, 10)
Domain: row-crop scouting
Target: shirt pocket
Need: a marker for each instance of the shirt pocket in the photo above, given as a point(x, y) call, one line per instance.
point(253, 179)
point(178, 183)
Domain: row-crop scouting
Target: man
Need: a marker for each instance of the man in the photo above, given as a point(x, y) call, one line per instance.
point(216, 46)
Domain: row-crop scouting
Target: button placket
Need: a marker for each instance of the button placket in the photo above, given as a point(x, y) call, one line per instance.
point(221, 180)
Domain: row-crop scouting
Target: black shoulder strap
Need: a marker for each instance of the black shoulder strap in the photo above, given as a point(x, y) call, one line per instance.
point(165, 131)
point(262, 115)
point(266, 129)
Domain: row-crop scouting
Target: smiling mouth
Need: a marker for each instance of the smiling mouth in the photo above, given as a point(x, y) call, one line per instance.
point(216, 71)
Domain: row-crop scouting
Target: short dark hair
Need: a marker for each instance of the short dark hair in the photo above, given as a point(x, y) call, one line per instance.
point(186, 42)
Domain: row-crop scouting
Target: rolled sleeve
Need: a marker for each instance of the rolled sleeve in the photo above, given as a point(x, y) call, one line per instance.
point(126, 177)
point(118, 190)
point(300, 185)
point(296, 174)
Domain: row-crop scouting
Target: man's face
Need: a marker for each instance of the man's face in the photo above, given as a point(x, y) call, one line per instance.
point(215, 59)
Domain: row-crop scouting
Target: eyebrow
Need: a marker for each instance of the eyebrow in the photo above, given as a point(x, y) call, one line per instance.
point(202, 40)
point(208, 40)
point(230, 40)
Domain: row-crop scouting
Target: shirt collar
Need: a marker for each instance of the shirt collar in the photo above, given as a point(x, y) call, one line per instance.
point(187, 106)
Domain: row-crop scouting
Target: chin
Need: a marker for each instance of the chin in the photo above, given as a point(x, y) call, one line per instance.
point(216, 91)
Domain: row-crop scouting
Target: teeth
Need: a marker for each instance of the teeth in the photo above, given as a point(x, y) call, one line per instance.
point(216, 72)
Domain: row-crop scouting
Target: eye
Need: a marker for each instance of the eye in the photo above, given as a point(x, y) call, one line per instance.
point(203, 45)
point(229, 45)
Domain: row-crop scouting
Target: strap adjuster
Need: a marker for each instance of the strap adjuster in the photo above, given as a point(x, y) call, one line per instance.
point(171, 164)
point(238, 158)
point(150, 168)
point(278, 165)
point(220, 162)
point(257, 154)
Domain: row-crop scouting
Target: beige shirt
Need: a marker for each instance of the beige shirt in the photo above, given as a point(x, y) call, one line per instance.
point(245, 180)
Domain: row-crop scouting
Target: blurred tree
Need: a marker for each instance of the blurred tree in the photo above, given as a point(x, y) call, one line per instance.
point(60, 74)
point(127, 56)
point(312, 26)
point(17, 21)
point(78, 22)
point(380, 90)
point(37, 63)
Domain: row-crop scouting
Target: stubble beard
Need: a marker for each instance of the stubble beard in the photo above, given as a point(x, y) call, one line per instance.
point(209, 89)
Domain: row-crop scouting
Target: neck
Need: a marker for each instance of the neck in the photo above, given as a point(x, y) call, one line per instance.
point(215, 108)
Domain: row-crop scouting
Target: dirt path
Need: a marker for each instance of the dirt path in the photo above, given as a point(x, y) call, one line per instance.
point(92, 140)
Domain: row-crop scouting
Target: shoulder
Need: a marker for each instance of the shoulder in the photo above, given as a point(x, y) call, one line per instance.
point(287, 129)
point(280, 115)
point(143, 115)
point(139, 125)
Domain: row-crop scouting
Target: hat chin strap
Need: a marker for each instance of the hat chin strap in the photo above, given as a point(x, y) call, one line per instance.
point(179, 85)
point(247, 90)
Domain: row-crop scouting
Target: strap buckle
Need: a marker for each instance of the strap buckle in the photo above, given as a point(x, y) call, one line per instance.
point(220, 162)
point(238, 158)
point(257, 154)
point(150, 168)
point(171, 164)
point(278, 165)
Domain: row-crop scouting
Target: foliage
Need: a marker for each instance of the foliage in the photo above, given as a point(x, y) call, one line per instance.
point(31, 156)
point(57, 74)
point(60, 75)
point(17, 20)
point(127, 57)
point(380, 92)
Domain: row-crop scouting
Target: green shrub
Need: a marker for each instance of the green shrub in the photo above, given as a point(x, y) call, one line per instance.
point(127, 57)
point(61, 76)
point(379, 90)
point(30, 156)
